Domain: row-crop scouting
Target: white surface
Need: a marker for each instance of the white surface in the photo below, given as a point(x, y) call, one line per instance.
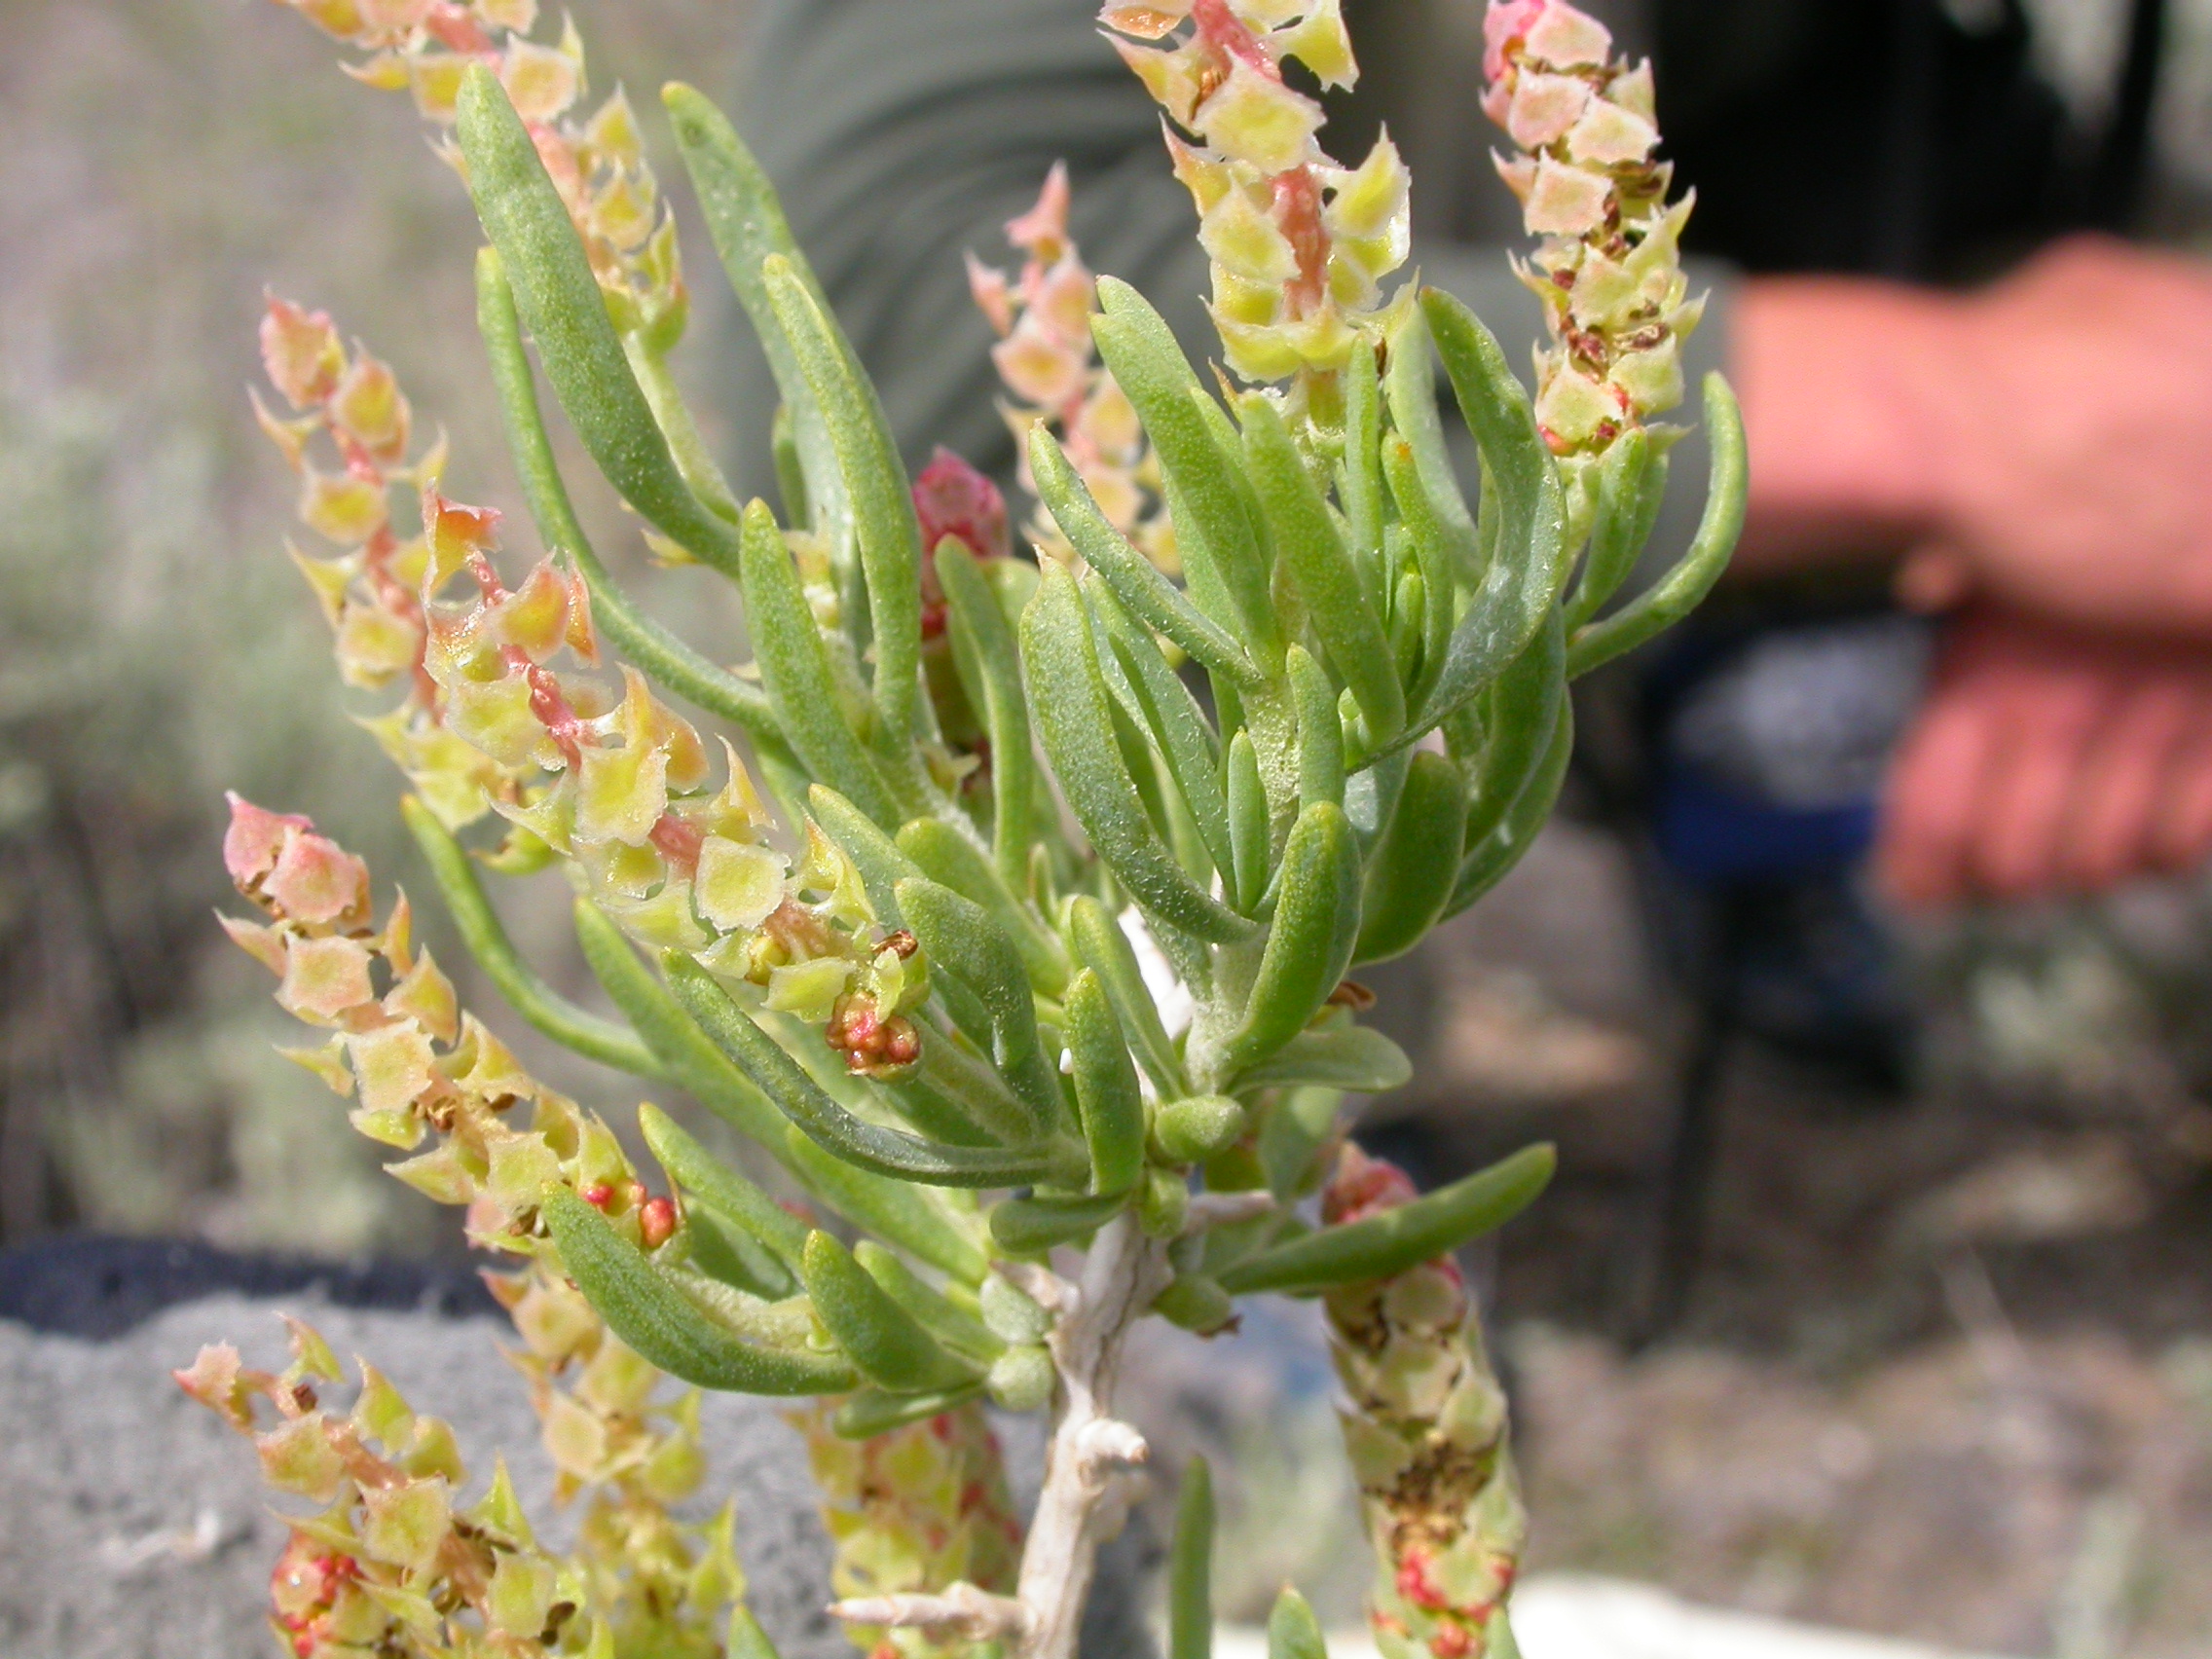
point(1563, 1616)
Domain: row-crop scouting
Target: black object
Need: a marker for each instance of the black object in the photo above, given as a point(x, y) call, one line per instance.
point(98, 1287)
point(1889, 138)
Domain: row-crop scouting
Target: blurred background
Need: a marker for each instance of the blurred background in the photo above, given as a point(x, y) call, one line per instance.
point(1899, 1319)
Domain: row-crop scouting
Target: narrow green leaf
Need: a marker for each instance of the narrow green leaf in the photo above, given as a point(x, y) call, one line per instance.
point(790, 471)
point(1435, 548)
point(1309, 946)
point(1106, 951)
point(654, 1317)
point(1293, 1632)
point(960, 1073)
point(898, 1211)
point(681, 1047)
point(746, 223)
point(1028, 1226)
point(714, 1186)
point(1361, 489)
point(1409, 388)
point(1189, 1566)
point(794, 668)
point(1632, 483)
point(1195, 1302)
point(560, 300)
point(1220, 544)
point(1134, 579)
point(866, 1146)
point(1249, 825)
point(1172, 718)
point(1320, 734)
point(660, 654)
point(985, 651)
point(1068, 699)
point(951, 860)
point(1355, 1058)
point(1396, 1239)
point(1105, 1087)
point(872, 1411)
point(734, 1259)
point(891, 1347)
point(1533, 557)
point(1415, 866)
point(1193, 1131)
point(1321, 565)
point(952, 1325)
point(545, 1009)
point(1682, 588)
point(1523, 713)
point(687, 446)
point(1491, 859)
point(875, 483)
point(960, 937)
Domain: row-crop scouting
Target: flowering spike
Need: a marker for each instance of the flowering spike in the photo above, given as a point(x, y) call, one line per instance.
point(1424, 1423)
point(1607, 270)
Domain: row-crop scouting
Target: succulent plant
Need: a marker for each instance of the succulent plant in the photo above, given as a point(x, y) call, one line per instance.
point(1019, 932)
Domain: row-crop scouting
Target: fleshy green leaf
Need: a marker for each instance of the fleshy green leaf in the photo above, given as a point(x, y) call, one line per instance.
point(714, 1186)
point(948, 857)
point(660, 654)
point(1105, 1087)
point(1223, 558)
point(960, 937)
point(1416, 862)
point(1189, 1566)
point(952, 1325)
point(1135, 582)
point(1068, 699)
point(1410, 390)
point(1172, 719)
point(680, 1045)
point(1524, 708)
point(875, 483)
point(1632, 483)
point(1293, 1632)
point(872, 1411)
point(746, 223)
point(1321, 565)
point(1248, 837)
point(985, 653)
point(1320, 731)
point(560, 300)
point(1028, 1226)
point(1193, 1131)
point(1107, 952)
point(796, 669)
point(1532, 556)
point(1490, 860)
point(890, 1346)
point(654, 1317)
point(1679, 591)
point(1355, 1058)
point(829, 1125)
point(1389, 1243)
point(1309, 946)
